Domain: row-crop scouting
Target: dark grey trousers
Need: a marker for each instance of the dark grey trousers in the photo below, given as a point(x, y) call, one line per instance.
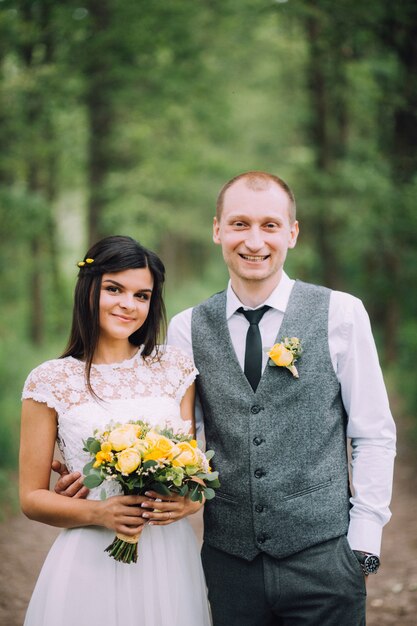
point(321, 586)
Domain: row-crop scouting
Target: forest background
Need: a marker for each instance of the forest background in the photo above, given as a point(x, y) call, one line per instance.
point(127, 116)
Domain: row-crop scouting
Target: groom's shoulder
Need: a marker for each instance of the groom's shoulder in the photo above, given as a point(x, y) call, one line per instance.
point(339, 300)
point(311, 287)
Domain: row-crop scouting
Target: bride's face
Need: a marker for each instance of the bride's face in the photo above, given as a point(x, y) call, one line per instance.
point(124, 302)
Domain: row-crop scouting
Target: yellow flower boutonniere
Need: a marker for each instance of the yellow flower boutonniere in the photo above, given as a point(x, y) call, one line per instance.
point(285, 354)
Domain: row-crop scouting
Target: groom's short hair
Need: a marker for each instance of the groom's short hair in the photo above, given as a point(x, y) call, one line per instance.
point(257, 181)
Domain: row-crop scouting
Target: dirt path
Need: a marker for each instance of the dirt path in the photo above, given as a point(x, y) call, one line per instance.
point(392, 594)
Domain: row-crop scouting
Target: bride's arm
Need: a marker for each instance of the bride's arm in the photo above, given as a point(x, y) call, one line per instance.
point(37, 441)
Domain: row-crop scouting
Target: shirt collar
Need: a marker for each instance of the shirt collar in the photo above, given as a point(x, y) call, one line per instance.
point(278, 299)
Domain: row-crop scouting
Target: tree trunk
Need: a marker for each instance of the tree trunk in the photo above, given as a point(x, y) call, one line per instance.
point(326, 127)
point(98, 100)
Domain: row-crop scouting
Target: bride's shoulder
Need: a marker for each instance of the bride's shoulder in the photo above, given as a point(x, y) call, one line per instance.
point(52, 369)
point(174, 358)
point(49, 382)
point(171, 353)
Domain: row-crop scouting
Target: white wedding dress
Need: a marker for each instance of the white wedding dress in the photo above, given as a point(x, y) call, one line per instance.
point(80, 584)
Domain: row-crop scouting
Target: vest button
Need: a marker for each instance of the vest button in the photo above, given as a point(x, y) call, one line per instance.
point(261, 538)
point(259, 508)
point(257, 441)
point(259, 473)
point(255, 409)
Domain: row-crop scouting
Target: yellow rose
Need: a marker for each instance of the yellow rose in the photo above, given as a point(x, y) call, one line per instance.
point(102, 457)
point(159, 447)
point(128, 461)
point(123, 436)
point(280, 355)
point(186, 454)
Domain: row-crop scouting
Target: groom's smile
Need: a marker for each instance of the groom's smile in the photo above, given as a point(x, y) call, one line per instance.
point(254, 259)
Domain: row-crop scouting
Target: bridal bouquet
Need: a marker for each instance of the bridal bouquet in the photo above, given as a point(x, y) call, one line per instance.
point(141, 458)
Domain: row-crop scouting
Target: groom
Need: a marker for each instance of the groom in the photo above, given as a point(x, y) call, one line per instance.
point(280, 533)
point(286, 541)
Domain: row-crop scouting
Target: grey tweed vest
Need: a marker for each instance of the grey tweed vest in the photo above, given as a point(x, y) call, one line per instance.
point(281, 452)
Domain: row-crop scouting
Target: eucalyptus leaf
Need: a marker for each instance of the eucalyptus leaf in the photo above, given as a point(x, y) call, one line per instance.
point(93, 480)
point(87, 468)
point(160, 488)
point(209, 493)
point(93, 446)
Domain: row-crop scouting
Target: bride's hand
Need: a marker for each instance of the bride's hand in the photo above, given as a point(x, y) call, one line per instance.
point(167, 509)
point(123, 514)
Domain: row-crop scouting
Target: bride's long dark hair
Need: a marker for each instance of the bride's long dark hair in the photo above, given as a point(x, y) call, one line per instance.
point(114, 254)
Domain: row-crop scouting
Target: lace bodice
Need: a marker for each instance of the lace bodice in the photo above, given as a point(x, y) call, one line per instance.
point(134, 389)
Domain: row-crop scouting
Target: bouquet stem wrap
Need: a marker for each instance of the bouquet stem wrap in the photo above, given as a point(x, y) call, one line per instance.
point(124, 548)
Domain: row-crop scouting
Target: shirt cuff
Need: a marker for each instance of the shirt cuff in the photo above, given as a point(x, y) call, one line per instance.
point(365, 535)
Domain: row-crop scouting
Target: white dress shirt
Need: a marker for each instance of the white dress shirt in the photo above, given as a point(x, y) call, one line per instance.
point(355, 361)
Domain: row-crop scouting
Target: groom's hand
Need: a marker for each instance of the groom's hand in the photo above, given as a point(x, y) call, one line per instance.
point(68, 484)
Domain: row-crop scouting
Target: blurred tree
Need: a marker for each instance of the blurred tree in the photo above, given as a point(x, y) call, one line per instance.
point(34, 51)
point(397, 37)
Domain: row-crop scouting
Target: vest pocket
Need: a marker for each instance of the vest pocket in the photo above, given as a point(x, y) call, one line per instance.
point(308, 490)
point(225, 496)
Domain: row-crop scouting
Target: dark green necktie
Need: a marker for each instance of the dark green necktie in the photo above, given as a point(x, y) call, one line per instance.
point(253, 350)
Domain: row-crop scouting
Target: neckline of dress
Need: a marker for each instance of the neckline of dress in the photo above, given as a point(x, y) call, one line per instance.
point(115, 365)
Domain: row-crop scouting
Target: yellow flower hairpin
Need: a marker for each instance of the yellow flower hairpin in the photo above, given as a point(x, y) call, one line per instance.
point(86, 262)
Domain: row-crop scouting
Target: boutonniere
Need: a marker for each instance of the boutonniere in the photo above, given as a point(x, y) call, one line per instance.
point(285, 354)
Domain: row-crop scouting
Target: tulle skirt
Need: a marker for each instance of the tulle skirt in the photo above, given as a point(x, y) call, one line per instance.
point(81, 585)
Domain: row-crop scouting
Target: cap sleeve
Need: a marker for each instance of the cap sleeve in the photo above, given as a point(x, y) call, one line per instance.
point(40, 385)
point(186, 371)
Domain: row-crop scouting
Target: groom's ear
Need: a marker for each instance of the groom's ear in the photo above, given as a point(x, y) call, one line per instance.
point(216, 229)
point(294, 231)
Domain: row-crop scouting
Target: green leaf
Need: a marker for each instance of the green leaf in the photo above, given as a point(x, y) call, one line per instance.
point(184, 490)
point(93, 480)
point(195, 492)
point(208, 476)
point(92, 445)
point(87, 468)
point(209, 454)
point(160, 488)
point(103, 494)
point(209, 493)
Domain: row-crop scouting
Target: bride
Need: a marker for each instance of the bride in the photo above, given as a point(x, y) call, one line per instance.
point(112, 369)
